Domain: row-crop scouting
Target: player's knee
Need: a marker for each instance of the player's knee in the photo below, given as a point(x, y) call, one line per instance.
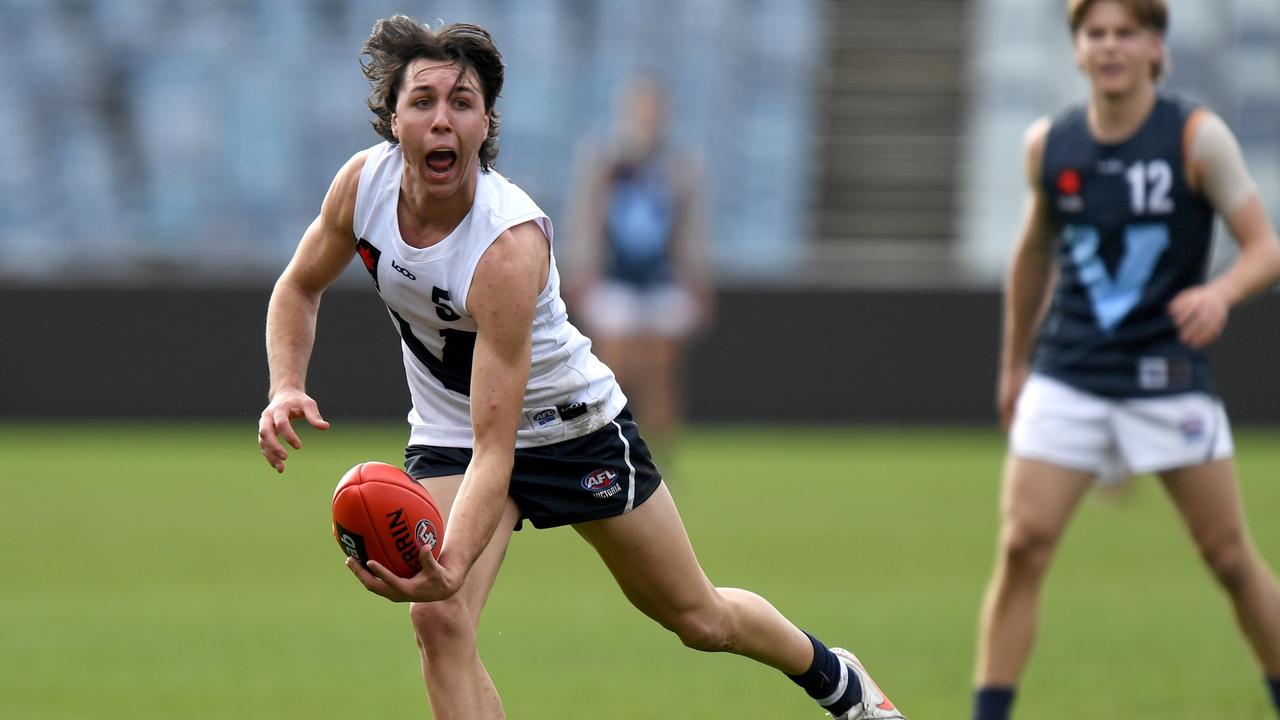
point(1228, 559)
point(705, 630)
point(441, 626)
point(1027, 548)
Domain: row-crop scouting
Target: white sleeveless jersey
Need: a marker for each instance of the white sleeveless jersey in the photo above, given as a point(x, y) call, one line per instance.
point(570, 393)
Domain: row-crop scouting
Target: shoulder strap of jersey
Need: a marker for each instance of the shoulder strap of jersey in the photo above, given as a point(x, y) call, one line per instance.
point(367, 190)
point(515, 208)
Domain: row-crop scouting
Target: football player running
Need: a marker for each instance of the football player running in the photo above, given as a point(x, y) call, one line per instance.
point(513, 418)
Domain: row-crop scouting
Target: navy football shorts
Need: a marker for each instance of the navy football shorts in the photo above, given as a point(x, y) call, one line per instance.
point(599, 475)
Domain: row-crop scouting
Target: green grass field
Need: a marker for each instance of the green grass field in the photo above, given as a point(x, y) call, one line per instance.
point(166, 572)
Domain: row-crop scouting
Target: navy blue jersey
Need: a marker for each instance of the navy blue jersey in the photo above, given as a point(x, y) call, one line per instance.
point(640, 222)
point(1132, 235)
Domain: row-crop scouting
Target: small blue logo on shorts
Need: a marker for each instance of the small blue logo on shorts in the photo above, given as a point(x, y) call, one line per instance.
point(602, 483)
point(544, 417)
point(1192, 429)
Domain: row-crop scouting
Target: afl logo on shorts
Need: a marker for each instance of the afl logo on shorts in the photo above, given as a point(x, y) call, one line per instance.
point(1192, 429)
point(426, 534)
point(602, 483)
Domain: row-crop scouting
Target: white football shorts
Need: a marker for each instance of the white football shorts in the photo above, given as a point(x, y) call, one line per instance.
point(1116, 438)
point(616, 309)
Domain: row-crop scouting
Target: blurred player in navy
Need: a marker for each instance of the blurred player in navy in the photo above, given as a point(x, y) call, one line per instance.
point(642, 284)
point(1103, 372)
point(513, 418)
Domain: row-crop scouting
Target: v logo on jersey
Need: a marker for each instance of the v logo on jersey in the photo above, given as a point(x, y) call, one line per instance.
point(1113, 298)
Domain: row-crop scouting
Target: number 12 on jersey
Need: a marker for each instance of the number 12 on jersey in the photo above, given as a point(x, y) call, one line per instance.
point(1149, 187)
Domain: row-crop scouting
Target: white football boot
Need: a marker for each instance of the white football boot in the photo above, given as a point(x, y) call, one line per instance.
point(874, 705)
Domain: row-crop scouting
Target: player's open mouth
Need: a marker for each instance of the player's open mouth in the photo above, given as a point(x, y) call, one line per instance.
point(440, 162)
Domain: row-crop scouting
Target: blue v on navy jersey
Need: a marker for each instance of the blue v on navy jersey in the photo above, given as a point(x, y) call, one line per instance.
point(1132, 235)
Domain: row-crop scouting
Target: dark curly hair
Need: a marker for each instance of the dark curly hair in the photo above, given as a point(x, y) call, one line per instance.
point(398, 40)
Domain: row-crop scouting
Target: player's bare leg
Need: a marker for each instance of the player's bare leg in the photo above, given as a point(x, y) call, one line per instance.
point(1208, 497)
point(626, 357)
point(458, 686)
point(661, 412)
point(650, 556)
point(1037, 502)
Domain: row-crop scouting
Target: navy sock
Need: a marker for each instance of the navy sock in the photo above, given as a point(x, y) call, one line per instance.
point(992, 703)
point(822, 680)
point(1273, 684)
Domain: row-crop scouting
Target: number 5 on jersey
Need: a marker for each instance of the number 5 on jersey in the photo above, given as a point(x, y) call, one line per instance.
point(444, 304)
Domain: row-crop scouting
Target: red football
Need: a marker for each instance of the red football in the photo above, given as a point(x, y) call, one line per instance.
point(380, 513)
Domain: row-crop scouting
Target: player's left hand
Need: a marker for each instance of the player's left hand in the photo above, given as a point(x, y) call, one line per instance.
point(433, 582)
point(1200, 314)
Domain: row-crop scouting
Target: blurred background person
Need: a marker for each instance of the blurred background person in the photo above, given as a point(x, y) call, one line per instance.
point(1108, 316)
point(642, 285)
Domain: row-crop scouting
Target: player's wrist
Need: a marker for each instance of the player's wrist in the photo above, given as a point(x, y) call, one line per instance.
point(455, 575)
point(277, 391)
point(1225, 291)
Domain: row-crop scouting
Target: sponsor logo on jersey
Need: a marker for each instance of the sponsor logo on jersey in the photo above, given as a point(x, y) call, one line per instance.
point(1111, 166)
point(369, 256)
point(1069, 186)
point(602, 483)
point(426, 534)
point(402, 271)
point(542, 418)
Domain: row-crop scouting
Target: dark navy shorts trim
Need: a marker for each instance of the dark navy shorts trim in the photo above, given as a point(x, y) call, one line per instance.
point(599, 475)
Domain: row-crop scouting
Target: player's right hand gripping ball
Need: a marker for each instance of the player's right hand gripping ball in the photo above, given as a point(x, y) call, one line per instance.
point(380, 513)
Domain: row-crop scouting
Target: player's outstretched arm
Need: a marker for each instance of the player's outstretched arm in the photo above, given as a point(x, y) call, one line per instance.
point(1027, 283)
point(502, 299)
point(1216, 166)
point(325, 250)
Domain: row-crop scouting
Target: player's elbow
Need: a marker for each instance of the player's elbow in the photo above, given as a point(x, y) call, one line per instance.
point(290, 289)
point(1272, 259)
